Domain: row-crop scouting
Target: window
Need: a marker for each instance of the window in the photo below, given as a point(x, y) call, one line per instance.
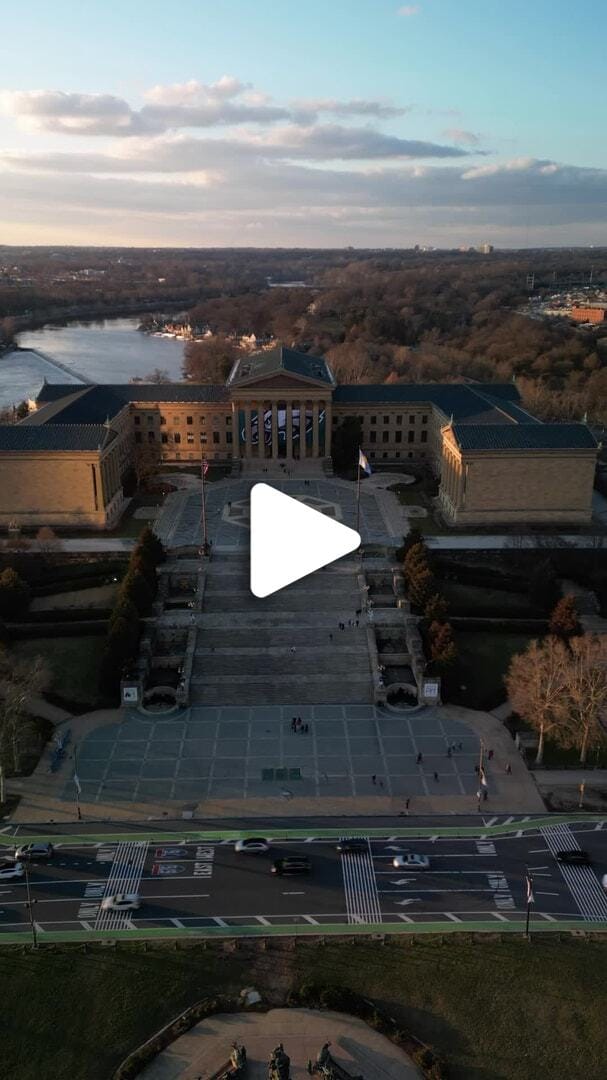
point(163, 420)
point(228, 421)
point(424, 436)
point(424, 419)
point(399, 418)
point(410, 454)
point(177, 437)
point(372, 455)
point(203, 420)
point(228, 436)
point(150, 421)
point(412, 418)
point(190, 437)
point(373, 436)
point(189, 419)
point(385, 454)
point(177, 456)
point(385, 436)
point(373, 420)
point(410, 436)
point(151, 436)
point(164, 437)
point(137, 419)
point(175, 419)
point(203, 438)
point(398, 453)
point(215, 436)
point(399, 436)
point(386, 419)
point(137, 436)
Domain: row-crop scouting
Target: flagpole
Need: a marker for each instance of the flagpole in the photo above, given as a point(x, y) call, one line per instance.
point(204, 508)
point(358, 491)
point(77, 786)
point(530, 901)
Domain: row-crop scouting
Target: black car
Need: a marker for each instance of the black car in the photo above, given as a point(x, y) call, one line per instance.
point(292, 864)
point(576, 857)
point(352, 847)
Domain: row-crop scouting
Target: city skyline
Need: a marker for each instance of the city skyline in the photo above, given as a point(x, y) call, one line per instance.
point(363, 125)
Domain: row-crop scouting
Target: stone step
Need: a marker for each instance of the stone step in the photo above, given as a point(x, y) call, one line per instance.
point(278, 620)
point(274, 637)
point(289, 666)
point(321, 603)
point(310, 693)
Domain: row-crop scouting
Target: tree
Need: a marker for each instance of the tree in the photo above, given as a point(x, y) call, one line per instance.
point(586, 691)
point(158, 375)
point(209, 361)
point(18, 681)
point(536, 684)
point(564, 622)
point(119, 651)
point(136, 587)
point(443, 650)
point(436, 608)
point(418, 575)
point(149, 542)
point(414, 536)
point(146, 462)
point(14, 594)
point(47, 539)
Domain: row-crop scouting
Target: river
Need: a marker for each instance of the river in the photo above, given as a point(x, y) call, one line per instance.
point(112, 350)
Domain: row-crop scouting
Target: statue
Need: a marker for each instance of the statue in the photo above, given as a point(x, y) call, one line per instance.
point(279, 1065)
point(238, 1060)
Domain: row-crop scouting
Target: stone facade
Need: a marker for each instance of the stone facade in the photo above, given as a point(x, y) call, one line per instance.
point(64, 464)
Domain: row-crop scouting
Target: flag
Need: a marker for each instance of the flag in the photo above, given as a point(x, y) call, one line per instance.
point(530, 896)
point(205, 467)
point(363, 463)
point(77, 783)
point(483, 778)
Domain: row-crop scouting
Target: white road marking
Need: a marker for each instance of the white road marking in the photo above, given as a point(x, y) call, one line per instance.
point(311, 920)
point(124, 877)
point(178, 923)
point(452, 918)
point(582, 882)
point(546, 893)
point(262, 919)
point(413, 900)
point(293, 894)
point(360, 887)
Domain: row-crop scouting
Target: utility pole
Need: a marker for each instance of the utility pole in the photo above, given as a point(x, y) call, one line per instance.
point(203, 469)
point(29, 906)
point(77, 786)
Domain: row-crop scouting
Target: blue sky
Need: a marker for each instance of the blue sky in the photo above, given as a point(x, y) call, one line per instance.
point(365, 122)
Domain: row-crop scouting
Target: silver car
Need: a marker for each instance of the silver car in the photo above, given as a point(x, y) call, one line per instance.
point(411, 862)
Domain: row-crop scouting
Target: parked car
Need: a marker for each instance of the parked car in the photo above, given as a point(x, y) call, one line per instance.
point(352, 847)
point(292, 864)
point(604, 882)
point(34, 851)
point(10, 868)
point(411, 861)
point(252, 844)
point(575, 857)
point(121, 902)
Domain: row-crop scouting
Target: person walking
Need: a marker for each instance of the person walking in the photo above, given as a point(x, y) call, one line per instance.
point(490, 755)
point(485, 794)
point(508, 769)
point(292, 649)
point(293, 724)
point(436, 776)
point(449, 752)
point(357, 623)
point(330, 637)
point(419, 759)
point(407, 805)
point(374, 779)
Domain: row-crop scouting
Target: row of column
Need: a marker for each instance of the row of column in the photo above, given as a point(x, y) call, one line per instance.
point(452, 478)
point(260, 409)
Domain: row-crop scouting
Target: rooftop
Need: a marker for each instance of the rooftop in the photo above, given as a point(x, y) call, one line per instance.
point(16, 438)
point(524, 437)
point(281, 359)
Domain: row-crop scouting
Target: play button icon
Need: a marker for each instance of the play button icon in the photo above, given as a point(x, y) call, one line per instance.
point(289, 540)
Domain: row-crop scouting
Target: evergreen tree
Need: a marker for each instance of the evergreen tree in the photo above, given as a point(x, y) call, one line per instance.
point(347, 438)
point(135, 587)
point(149, 542)
point(436, 608)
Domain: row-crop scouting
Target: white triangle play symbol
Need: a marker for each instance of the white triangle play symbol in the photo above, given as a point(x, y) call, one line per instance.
point(290, 540)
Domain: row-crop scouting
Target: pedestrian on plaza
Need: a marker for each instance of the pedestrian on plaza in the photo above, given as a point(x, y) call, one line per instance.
point(292, 649)
point(229, 506)
point(490, 755)
point(381, 783)
point(419, 759)
point(374, 779)
point(330, 637)
point(460, 746)
point(293, 724)
point(508, 769)
point(476, 770)
point(357, 624)
point(359, 611)
point(449, 751)
point(436, 776)
point(307, 728)
point(407, 804)
point(485, 794)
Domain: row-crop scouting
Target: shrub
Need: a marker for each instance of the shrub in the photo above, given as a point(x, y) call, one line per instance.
point(14, 594)
point(135, 587)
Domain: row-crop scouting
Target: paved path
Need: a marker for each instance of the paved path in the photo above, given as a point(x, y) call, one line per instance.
point(354, 1045)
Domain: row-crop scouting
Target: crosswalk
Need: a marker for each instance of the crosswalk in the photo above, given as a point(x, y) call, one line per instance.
point(124, 877)
point(582, 881)
point(360, 888)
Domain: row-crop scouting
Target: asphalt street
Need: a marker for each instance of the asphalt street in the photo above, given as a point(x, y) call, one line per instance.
point(208, 885)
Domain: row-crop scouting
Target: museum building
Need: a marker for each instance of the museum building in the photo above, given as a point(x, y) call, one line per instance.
point(65, 463)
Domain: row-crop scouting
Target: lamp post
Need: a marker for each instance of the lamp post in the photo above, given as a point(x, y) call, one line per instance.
point(530, 901)
point(29, 905)
point(77, 786)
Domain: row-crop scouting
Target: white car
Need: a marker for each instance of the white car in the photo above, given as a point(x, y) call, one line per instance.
point(11, 869)
point(411, 862)
point(121, 902)
point(34, 851)
point(604, 882)
point(252, 844)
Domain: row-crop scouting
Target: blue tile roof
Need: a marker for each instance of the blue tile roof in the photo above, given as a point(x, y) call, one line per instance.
point(281, 359)
point(95, 403)
point(524, 437)
point(54, 437)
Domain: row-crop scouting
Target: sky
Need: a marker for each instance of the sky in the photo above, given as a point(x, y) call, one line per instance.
point(329, 123)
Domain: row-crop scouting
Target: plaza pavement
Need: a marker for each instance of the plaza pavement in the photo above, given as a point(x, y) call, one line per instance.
point(204, 1049)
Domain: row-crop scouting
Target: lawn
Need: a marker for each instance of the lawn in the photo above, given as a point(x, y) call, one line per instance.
point(497, 1010)
point(100, 596)
point(73, 663)
point(477, 600)
point(483, 660)
point(414, 495)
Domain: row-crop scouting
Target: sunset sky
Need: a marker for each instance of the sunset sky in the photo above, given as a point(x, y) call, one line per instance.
point(274, 122)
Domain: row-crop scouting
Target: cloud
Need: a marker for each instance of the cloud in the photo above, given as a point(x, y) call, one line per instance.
point(73, 114)
point(355, 107)
point(196, 93)
point(464, 138)
point(408, 10)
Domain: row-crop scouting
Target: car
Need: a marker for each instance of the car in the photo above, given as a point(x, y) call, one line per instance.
point(252, 844)
point(575, 857)
point(604, 882)
point(352, 846)
point(292, 864)
point(34, 851)
point(411, 861)
point(10, 868)
point(121, 902)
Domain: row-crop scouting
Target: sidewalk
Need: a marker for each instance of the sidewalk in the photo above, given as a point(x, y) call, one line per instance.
point(355, 1046)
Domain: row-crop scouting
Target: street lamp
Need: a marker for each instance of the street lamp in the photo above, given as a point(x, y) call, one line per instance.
point(530, 901)
point(29, 906)
point(77, 786)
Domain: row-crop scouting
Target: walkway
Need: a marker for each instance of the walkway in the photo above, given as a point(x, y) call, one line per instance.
point(355, 1046)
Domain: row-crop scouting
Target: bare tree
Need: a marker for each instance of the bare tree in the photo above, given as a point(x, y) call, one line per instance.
point(18, 682)
point(146, 463)
point(48, 540)
point(586, 691)
point(536, 684)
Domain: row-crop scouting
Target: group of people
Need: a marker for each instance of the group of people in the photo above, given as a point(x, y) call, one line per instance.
point(297, 724)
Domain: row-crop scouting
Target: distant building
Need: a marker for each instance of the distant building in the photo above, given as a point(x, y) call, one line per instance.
point(589, 313)
point(486, 249)
point(498, 465)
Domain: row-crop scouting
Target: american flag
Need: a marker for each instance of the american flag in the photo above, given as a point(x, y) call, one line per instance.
point(530, 896)
point(205, 467)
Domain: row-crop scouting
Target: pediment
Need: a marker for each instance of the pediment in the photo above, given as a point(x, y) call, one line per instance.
point(280, 381)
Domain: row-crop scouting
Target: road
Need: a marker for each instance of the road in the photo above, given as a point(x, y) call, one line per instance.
point(205, 886)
